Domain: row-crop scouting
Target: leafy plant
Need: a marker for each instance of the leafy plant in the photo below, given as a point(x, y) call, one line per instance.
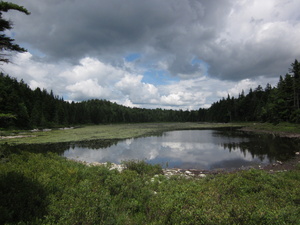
point(143, 168)
point(48, 189)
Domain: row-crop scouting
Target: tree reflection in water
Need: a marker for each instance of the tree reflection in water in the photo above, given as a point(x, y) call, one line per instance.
point(198, 149)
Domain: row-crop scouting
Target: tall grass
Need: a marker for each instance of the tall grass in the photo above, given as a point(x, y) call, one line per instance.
point(48, 189)
point(103, 132)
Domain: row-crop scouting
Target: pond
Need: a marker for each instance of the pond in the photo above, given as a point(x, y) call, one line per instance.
point(186, 149)
point(190, 149)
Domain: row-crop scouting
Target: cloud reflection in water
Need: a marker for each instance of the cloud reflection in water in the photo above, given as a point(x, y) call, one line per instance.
point(198, 149)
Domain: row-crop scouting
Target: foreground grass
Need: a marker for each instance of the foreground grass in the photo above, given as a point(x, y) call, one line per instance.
point(105, 132)
point(48, 189)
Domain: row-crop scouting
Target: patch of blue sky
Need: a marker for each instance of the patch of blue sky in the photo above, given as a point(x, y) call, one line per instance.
point(132, 57)
point(158, 77)
point(33, 51)
point(201, 63)
point(25, 45)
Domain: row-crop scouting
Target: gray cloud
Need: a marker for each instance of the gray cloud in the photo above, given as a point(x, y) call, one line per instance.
point(73, 29)
point(231, 40)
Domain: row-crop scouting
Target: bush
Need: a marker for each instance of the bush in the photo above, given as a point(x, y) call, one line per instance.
point(48, 189)
point(143, 168)
point(21, 198)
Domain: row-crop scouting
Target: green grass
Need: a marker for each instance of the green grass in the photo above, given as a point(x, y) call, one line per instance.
point(123, 131)
point(48, 189)
point(276, 128)
point(104, 132)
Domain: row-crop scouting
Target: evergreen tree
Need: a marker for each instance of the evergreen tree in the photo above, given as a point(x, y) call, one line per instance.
point(6, 43)
point(296, 85)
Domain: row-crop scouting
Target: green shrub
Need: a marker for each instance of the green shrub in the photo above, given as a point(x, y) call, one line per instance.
point(143, 168)
point(21, 198)
point(48, 189)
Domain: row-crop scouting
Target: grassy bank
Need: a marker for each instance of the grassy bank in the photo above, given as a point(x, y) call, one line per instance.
point(274, 128)
point(107, 132)
point(48, 189)
point(123, 131)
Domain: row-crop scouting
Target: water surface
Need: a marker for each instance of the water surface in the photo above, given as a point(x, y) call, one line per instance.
point(191, 149)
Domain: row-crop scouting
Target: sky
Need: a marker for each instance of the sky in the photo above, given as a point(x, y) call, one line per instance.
point(171, 54)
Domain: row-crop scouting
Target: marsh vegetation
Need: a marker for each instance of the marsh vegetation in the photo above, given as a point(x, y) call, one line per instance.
point(48, 189)
point(45, 188)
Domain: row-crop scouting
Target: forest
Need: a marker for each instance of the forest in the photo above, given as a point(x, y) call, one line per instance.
point(21, 107)
point(271, 104)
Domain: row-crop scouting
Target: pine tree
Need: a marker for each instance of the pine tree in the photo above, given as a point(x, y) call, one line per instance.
point(296, 75)
point(6, 43)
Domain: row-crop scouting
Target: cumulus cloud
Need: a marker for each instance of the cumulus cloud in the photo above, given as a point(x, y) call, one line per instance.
point(138, 91)
point(204, 49)
point(258, 39)
point(92, 78)
point(87, 89)
point(238, 39)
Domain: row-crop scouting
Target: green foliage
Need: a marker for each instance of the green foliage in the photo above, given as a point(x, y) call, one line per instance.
point(102, 134)
point(21, 198)
point(142, 168)
point(48, 189)
point(276, 128)
point(6, 43)
point(39, 109)
point(6, 119)
point(272, 104)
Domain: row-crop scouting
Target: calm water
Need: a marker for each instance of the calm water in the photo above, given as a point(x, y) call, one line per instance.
point(186, 149)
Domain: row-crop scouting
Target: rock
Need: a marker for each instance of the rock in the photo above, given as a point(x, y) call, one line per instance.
point(118, 167)
point(166, 172)
point(188, 172)
point(45, 130)
point(96, 164)
point(66, 128)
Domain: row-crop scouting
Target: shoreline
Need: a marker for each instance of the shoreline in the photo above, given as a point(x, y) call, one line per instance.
point(276, 167)
point(274, 133)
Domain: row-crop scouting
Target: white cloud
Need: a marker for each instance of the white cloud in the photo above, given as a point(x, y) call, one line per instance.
point(89, 89)
point(128, 103)
point(35, 72)
point(92, 68)
point(91, 78)
point(259, 39)
point(131, 85)
point(243, 85)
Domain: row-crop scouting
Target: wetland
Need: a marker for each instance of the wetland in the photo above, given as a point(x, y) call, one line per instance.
point(173, 145)
point(38, 186)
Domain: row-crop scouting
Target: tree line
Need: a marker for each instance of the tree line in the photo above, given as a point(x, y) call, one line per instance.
point(25, 108)
point(269, 104)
